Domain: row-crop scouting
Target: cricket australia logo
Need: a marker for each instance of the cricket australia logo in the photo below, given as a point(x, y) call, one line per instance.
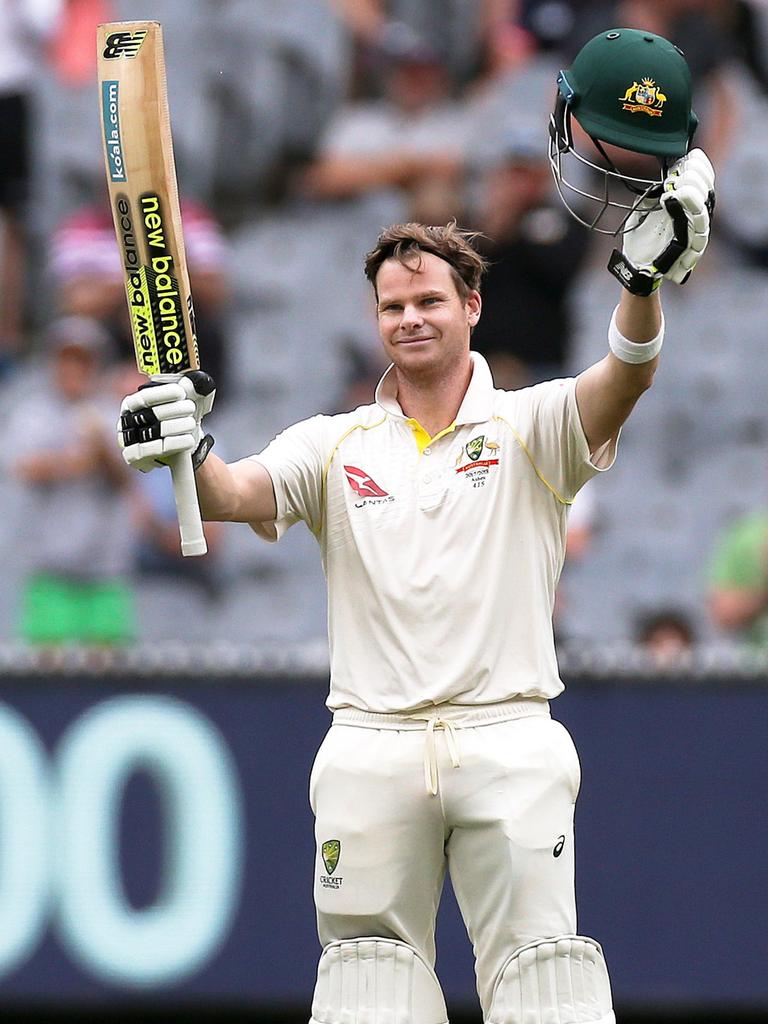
point(330, 851)
point(475, 447)
point(477, 469)
point(644, 97)
point(123, 44)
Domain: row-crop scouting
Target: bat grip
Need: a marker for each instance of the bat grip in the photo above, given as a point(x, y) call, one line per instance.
point(187, 505)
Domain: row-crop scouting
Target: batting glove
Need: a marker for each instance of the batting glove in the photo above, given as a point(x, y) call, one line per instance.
point(162, 419)
point(666, 239)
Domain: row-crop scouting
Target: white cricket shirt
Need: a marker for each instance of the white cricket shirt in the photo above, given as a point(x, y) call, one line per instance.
point(442, 555)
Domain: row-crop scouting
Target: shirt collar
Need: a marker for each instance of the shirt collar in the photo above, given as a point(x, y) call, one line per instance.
point(476, 406)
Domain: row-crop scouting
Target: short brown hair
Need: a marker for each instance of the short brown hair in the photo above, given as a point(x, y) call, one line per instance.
point(406, 242)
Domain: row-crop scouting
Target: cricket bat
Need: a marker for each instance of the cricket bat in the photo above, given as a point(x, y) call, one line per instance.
point(141, 178)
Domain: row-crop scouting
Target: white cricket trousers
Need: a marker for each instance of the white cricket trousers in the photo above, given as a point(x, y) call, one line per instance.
point(488, 792)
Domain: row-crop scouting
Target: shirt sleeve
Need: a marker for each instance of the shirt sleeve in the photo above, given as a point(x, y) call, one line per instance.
point(295, 462)
point(550, 430)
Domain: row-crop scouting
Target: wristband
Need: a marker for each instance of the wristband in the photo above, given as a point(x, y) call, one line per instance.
point(628, 275)
point(633, 351)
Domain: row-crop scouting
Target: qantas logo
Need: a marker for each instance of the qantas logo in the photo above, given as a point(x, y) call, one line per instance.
point(362, 484)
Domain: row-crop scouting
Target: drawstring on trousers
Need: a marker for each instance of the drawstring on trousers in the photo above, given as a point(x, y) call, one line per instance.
point(456, 717)
point(430, 751)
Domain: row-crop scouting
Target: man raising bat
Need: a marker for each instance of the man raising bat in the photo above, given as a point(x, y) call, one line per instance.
point(440, 510)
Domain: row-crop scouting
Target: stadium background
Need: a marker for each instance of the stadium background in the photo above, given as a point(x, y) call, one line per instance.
point(155, 835)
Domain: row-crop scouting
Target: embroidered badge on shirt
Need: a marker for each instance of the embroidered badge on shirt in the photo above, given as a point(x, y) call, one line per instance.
point(477, 469)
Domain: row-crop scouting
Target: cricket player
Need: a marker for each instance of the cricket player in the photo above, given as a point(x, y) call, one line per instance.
point(440, 510)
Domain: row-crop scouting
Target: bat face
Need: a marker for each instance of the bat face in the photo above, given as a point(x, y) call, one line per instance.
point(141, 179)
point(160, 335)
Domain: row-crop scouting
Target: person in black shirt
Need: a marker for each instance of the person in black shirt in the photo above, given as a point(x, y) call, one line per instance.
point(535, 251)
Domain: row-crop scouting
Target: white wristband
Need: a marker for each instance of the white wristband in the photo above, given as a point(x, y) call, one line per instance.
point(633, 351)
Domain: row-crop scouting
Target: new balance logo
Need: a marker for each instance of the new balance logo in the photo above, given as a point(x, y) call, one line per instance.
point(123, 44)
point(362, 484)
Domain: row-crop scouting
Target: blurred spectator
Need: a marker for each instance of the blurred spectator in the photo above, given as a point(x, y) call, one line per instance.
point(745, 24)
point(550, 22)
point(76, 538)
point(666, 635)
point(364, 371)
point(738, 591)
point(407, 147)
point(88, 276)
point(742, 200)
point(455, 27)
point(261, 93)
point(71, 50)
point(26, 26)
point(535, 251)
point(513, 90)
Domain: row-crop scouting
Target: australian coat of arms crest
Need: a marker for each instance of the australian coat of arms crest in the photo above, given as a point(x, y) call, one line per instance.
point(644, 96)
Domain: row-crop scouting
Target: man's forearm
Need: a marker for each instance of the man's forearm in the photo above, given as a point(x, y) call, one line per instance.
point(239, 492)
point(639, 317)
point(217, 490)
point(607, 392)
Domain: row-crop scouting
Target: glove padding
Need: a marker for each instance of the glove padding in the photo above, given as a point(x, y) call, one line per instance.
point(163, 419)
point(666, 239)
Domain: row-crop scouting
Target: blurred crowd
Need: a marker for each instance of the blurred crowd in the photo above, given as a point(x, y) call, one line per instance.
point(300, 130)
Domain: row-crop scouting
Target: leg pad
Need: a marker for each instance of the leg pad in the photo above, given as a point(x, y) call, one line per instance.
point(376, 981)
point(563, 980)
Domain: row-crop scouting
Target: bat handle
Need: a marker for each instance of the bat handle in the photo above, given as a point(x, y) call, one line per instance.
point(187, 505)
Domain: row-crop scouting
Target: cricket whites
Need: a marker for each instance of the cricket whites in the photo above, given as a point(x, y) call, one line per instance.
point(141, 178)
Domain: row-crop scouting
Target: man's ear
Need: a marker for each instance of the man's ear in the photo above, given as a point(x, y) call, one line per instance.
point(474, 306)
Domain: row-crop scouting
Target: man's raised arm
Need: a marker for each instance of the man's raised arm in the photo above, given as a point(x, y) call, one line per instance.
point(662, 240)
point(159, 421)
point(237, 492)
point(607, 392)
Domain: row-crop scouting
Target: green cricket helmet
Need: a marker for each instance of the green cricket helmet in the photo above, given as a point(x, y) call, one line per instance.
point(628, 89)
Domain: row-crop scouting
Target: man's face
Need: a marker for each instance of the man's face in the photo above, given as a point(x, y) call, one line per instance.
point(424, 324)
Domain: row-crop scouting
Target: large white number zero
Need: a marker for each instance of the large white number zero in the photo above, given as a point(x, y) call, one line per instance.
point(192, 767)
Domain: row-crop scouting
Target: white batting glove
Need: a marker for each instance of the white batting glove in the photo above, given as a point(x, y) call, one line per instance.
point(668, 241)
point(161, 420)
